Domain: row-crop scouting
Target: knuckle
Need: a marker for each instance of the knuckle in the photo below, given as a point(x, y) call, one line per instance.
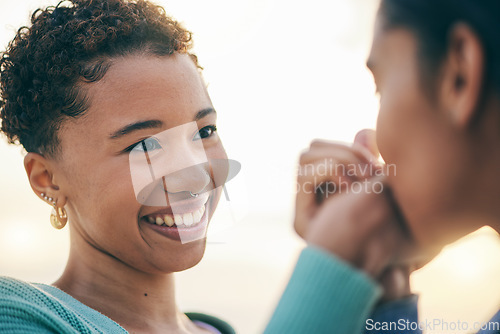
point(317, 142)
point(304, 157)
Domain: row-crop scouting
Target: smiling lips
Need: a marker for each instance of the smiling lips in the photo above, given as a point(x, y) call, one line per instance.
point(187, 219)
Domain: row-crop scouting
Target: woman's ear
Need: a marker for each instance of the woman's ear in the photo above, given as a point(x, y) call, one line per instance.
point(463, 75)
point(40, 174)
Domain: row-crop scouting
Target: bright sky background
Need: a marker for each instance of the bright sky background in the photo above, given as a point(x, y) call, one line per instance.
point(280, 73)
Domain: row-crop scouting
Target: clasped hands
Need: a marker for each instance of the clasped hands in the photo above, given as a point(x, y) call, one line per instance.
point(344, 205)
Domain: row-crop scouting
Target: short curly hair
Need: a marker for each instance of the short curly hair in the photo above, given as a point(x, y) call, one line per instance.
point(46, 65)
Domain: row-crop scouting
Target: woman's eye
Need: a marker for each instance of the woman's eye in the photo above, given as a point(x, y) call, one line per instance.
point(147, 145)
point(205, 132)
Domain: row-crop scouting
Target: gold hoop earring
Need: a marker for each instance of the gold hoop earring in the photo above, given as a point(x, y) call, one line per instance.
point(58, 216)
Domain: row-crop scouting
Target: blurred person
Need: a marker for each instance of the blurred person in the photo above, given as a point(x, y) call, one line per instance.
point(87, 89)
point(436, 65)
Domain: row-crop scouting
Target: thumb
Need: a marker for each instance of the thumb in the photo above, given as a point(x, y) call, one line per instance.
point(366, 138)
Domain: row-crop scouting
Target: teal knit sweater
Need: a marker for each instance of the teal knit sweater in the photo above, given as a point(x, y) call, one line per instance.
point(320, 285)
point(38, 308)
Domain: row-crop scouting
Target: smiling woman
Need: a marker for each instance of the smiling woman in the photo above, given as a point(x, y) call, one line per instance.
point(86, 89)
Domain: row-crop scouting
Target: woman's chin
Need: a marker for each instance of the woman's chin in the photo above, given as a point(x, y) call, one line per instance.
point(190, 254)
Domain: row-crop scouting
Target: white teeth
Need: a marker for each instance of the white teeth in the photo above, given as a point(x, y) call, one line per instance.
point(188, 219)
point(169, 220)
point(197, 216)
point(178, 220)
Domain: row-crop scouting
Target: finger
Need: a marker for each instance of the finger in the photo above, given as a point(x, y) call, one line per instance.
point(305, 202)
point(311, 192)
point(338, 152)
point(326, 165)
point(358, 153)
point(339, 162)
point(321, 143)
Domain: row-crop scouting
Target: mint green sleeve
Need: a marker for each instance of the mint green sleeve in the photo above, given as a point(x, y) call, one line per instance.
point(324, 295)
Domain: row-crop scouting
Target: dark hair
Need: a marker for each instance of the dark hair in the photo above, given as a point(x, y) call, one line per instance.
point(45, 67)
point(431, 21)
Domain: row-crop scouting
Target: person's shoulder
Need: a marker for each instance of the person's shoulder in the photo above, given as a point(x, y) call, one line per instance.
point(22, 296)
point(9, 281)
point(39, 308)
point(215, 322)
point(14, 288)
point(23, 309)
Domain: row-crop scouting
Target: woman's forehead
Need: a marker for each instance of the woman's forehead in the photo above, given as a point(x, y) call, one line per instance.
point(148, 84)
point(144, 75)
point(135, 88)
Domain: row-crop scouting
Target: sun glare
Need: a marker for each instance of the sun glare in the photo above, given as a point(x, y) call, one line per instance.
point(17, 238)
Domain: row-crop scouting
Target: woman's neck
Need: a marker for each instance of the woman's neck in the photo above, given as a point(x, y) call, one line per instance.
point(138, 301)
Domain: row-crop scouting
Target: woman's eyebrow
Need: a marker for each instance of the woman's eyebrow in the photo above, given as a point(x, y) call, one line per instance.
point(203, 113)
point(153, 123)
point(149, 124)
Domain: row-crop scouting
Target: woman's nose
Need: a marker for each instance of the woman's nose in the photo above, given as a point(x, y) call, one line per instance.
point(194, 179)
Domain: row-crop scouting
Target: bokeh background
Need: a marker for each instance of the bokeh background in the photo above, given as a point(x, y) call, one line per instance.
point(280, 73)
